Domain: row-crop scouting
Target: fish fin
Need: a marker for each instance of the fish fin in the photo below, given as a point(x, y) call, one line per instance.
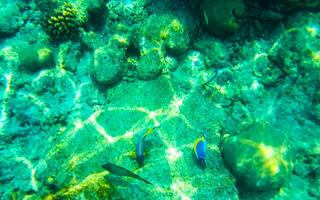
point(148, 132)
point(196, 142)
point(202, 163)
point(140, 160)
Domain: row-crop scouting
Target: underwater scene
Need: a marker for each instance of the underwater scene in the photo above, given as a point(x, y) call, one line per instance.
point(159, 99)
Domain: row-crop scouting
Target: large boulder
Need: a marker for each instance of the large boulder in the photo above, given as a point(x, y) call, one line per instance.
point(108, 65)
point(169, 31)
point(10, 18)
point(150, 63)
point(258, 156)
point(297, 50)
point(34, 57)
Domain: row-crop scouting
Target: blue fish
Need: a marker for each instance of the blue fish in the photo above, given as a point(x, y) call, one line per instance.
point(199, 148)
point(140, 144)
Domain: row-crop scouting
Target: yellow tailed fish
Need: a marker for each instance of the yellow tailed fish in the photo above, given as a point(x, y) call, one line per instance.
point(140, 144)
point(199, 148)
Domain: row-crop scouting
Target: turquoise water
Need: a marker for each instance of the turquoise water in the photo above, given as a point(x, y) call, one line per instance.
point(145, 99)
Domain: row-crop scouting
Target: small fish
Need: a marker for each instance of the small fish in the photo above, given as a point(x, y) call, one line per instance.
point(140, 144)
point(120, 171)
point(199, 148)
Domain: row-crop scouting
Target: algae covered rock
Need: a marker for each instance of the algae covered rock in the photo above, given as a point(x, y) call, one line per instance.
point(291, 5)
point(10, 17)
point(214, 51)
point(259, 156)
point(35, 56)
point(176, 37)
point(46, 6)
point(192, 71)
point(107, 66)
point(297, 50)
point(220, 16)
point(150, 64)
point(128, 11)
point(96, 11)
point(170, 31)
point(93, 6)
point(154, 46)
point(267, 73)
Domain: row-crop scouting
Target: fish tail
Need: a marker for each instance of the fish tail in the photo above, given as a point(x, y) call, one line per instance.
point(140, 178)
point(140, 159)
point(202, 163)
point(144, 180)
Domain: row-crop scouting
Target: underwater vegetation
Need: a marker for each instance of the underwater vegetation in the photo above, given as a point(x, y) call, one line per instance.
point(146, 99)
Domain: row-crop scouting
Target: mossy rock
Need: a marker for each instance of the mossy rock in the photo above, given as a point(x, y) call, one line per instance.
point(11, 18)
point(215, 52)
point(169, 31)
point(107, 67)
point(259, 157)
point(297, 50)
point(150, 64)
point(291, 5)
point(35, 57)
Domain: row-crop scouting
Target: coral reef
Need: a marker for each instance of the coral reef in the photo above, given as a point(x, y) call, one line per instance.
point(67, 107)
point(64, 22)
point(128, 11)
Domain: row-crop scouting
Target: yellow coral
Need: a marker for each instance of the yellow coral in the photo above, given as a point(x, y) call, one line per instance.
point(94, 183)
point(164, 33)
point(176, 25)
point(64, 22)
